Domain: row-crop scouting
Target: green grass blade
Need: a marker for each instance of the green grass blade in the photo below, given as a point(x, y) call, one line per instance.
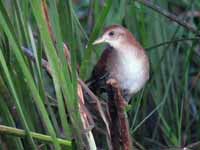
point(29, 80)
point(14, 93)
point(98, 27)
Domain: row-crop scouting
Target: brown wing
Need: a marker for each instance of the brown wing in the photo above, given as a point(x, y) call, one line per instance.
point(100, 73)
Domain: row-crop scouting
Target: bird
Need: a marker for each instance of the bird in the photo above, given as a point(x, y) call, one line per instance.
point(123, 60)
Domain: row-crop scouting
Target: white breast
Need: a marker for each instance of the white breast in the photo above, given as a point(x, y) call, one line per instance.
point(132, 75)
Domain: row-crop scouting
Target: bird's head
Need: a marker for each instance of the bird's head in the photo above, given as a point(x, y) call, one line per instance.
point(116, 36)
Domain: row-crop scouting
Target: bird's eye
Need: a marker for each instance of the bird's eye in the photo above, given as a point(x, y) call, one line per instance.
point(111, 33)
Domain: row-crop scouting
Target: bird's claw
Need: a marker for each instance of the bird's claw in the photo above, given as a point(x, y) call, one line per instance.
point(113, 83)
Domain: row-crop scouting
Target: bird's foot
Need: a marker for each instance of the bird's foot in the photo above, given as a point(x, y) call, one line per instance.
point(113, 83)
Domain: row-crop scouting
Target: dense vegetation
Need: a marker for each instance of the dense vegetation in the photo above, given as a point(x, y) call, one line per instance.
point(164, 115)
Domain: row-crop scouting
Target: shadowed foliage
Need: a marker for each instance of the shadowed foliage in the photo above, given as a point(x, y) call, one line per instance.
point(43, 104)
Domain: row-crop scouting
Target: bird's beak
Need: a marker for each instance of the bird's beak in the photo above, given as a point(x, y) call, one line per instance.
point(98, 41)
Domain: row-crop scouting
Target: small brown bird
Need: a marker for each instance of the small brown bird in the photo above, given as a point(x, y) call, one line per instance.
point(124, 60)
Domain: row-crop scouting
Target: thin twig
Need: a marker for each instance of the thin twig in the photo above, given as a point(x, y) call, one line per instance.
point(171, 42)
point(169, 16)
point(100, 109)
point(30, 55)
point(190, 14)
point(193, 145)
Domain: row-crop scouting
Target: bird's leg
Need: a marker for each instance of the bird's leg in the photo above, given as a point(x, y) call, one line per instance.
point(112, 82)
